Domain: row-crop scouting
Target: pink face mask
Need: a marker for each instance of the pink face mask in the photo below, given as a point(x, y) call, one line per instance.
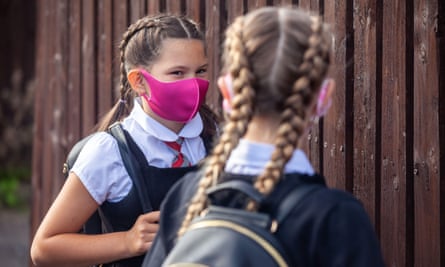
point(175, 101)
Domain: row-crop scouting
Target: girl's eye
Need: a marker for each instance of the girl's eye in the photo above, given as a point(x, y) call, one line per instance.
point(201, 71)
point(177, 73)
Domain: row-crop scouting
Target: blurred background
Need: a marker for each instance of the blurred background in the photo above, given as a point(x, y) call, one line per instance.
point(17, 27)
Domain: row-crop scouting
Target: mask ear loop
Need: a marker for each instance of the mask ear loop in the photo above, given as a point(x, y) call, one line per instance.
point(227, 92)
point(324, 101)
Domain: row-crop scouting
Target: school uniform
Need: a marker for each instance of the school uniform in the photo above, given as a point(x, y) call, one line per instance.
point(101, 169)
point(328, 227)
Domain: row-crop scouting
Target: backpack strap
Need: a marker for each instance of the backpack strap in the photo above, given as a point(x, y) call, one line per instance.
point(131, 164)
point(285, 206)
point(292, 199)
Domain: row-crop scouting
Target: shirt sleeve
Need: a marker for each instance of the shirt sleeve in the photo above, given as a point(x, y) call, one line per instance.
point(101, 170)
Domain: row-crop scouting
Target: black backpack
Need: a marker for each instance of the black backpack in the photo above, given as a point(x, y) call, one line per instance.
point(235, 237)
point(95, 224)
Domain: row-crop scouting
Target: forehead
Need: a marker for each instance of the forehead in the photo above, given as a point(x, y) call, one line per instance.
point(183, 52)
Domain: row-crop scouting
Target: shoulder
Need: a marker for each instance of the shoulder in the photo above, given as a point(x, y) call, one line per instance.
point(98, 145)
point(328, 217)
point(100, 168)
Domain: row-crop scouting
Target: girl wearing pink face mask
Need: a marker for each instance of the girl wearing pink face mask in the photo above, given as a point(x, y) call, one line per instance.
point(162, 93)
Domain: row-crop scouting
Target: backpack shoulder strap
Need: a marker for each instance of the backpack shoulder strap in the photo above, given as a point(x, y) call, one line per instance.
point(73, 154)
point(292, 199)
point(131, 164)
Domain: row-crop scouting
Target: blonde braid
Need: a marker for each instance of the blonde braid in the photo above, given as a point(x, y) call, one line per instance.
point(236, 125)
point(126, 93)
point(312, 69)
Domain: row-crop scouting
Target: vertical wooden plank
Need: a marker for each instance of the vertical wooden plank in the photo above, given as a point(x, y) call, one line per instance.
point(153, 6)
point(73, 105)
point(213, 36)
point(120, 25)
point(394, 198)
point(334, 123)
point(48, 126)
point(427, 170)
point(38, 162)
point(59, 111)
point(311, 5)
point(283, 2)
point(234, 9)
point(254, 4)
point(365, 111)
point(194, 10)
point(440, 34)
point(88, 67)
point(137, 9)
point(174, 6)
point(105, 86)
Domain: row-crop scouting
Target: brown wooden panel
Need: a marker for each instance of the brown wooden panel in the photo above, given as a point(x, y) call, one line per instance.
point(195, 10)
point(74, 122)
point(365, 107)
point(105, 85)
point(312, 5)
point(88, 67)
point(174, 6)
point(283, 2)
point(393, 206)
point(48, 107)
point(427, 230)
point(38, 161)
point(213, 31)
point(334, 123)
point(153, 6)
point(120, 25)
point(59, 111)
point(254, 4)
point(234, 9)
point(137, 9)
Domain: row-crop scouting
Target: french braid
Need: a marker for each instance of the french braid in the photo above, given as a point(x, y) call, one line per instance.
point(236, 124)
point(292, 124)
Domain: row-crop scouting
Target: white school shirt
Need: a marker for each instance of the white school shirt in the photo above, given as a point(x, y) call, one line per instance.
point(101, 169)
point(249, 158)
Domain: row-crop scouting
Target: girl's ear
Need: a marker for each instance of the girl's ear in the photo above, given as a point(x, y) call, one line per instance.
point(225, 85)
point(136, 81)
point(324, 101)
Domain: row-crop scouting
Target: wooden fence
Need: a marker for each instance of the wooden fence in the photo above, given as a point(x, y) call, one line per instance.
point(383, 139)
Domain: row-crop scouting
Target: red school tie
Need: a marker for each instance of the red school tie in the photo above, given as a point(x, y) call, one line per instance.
point(180, 160)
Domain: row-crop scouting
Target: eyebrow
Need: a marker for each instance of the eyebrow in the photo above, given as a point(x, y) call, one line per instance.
point(185, 67)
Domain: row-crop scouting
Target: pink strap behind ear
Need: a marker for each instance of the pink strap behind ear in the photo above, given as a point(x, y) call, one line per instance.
point(227, 91)
point(324, 102)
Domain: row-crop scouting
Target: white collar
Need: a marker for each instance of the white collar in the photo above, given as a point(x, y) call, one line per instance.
point(191, 129)
point(251, 157)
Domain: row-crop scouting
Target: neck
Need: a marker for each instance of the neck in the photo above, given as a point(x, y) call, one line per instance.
point(262, 129)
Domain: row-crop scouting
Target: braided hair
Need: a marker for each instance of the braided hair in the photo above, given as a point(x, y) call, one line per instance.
point(278, 58)
point(140, 46)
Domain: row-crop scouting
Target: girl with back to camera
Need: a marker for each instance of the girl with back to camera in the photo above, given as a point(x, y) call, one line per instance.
point(163, 84)
point(273, 84)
